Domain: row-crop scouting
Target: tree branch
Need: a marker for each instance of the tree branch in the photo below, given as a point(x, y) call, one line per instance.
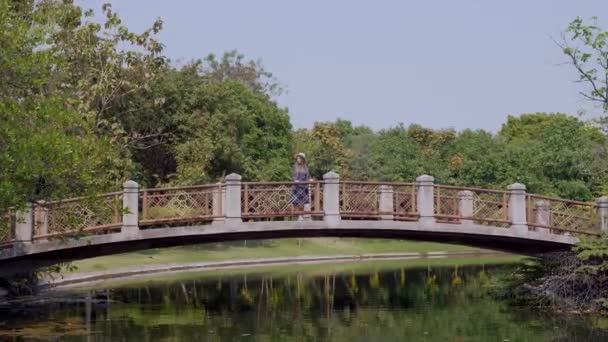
point(572, 53)
point(589, 97)
point(134, 142)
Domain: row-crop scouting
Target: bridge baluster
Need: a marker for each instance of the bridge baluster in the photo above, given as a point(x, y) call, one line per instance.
point(465, 204)
point(24, 227)
point(130, 204)
point(386, 202)
point(233, 198)
point(425, 200)
point(517, 207)
point(542, 217)
point(331, 199)
point(144, 205)
point(219, 198)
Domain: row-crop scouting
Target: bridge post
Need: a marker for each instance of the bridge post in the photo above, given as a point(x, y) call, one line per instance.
point(542, 216)
point(386, 204)
point(517, 207)
point(425, 199)
point(24, 227)
point(602, 213)
point(233, 198)
point(465, 204)
point(331, 199)
point(130, 204)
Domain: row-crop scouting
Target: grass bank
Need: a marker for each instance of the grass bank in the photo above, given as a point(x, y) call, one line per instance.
point(309, 270)
point(262, 249)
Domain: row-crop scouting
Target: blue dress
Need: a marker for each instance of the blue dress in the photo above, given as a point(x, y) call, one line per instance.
point(299, 192)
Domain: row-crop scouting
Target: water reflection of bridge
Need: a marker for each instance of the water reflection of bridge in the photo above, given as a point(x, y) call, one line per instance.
point(143, 218)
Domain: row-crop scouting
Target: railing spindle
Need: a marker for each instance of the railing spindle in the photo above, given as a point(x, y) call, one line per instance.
point(317, 202)
point(551, 214)
point(344, 196)
point(220, 199)
point(117, 217)
point(246, 198)
point(530, 214)
point(413, 209)
point(144, 205)
point(505, 213)
point(438, 206)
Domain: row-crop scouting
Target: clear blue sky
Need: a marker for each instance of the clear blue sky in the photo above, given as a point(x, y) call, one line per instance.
point(460, 64)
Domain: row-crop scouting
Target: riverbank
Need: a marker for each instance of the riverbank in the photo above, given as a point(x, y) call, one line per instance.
point(262, 249)
point(262, 254)
point(142, 272)
point(574, 281)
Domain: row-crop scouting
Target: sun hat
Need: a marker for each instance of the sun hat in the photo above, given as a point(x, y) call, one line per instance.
point(300, 154)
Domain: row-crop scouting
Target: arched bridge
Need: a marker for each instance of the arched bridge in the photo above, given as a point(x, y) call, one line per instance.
point(136, 218)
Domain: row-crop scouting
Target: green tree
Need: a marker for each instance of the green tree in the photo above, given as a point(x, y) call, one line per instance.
point(50, 152)
point(55, 48)
point(325, 151)
point(556, 154)
point(362, 162)
point(231, 129)
point(233, 66)
point(61, 75)
point(47, 148)
point(103, 65)
point(586, 47)
point(397, 155)
point(210, 118)
point(478, 159)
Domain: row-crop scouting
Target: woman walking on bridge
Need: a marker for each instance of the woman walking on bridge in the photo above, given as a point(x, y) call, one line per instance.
point(300, 195)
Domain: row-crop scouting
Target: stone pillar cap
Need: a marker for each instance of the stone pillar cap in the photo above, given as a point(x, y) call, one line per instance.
point(233, 177)
point(425, 178)
point(516, 186)
point(542, 203)
point(602, 201)
point(331, 175)
point(130, 184)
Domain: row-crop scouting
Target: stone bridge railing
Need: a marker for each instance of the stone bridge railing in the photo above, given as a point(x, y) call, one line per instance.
point(330, 200)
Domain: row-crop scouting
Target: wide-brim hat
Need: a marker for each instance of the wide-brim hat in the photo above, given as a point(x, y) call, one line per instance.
point(301, 155)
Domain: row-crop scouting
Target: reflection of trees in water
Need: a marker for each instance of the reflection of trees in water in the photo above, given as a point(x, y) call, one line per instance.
point(456, 279)
point(393, 305)
point(331, 304)
point(245, 297)
point(430, 284)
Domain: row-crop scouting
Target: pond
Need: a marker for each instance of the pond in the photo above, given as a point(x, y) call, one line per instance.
point(366, 301)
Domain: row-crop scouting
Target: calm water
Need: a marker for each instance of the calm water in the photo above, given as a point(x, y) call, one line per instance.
point(354, 302)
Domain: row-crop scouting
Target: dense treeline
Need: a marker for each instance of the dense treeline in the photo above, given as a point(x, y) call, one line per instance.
point(86, 105)
point(551, 153)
